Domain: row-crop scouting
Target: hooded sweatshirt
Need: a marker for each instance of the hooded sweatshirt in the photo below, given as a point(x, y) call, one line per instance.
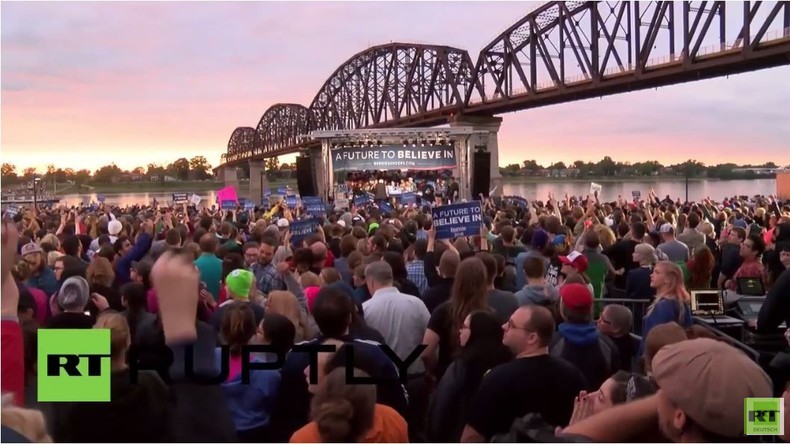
point(537, 294)
point(250, 404)
point(594, 354)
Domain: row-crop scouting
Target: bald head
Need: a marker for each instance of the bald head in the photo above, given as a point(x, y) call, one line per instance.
point(319, 252)
point(380, 273)
point(448, 264)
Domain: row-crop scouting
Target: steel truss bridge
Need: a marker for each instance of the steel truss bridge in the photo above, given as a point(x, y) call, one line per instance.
point(559, 52)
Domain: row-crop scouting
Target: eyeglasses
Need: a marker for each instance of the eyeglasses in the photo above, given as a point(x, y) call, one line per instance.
point(510, 324)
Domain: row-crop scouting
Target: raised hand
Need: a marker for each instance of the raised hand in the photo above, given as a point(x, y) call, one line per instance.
point(176, 281)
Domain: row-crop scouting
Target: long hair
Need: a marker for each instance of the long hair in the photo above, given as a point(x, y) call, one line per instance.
point(343, 412)
point(135, 296)
point(484, 349)
point(677, 288)
point(286, 304)
point(469, 292)
point(100, 272)
point(120, 338)
point(701, 268)
point(238, 327)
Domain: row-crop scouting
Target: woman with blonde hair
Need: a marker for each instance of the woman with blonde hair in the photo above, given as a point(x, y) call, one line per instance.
point(28, 424)
point(672, 299)
point(605, 236)
point(286, 304)
point(146, 401)
point(100, 276)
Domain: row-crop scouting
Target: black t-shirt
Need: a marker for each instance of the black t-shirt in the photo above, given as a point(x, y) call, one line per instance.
point(540, 384)
point(553, 272)
point(442, 324)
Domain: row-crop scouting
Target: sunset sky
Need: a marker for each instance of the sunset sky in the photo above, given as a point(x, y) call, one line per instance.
point(86, 84)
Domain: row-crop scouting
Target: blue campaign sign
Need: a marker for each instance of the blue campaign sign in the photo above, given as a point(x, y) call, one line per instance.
point(249, 205)
point(520, 201)
point(316, 209)
point(180, 198)
point(463, 219)
point(11, 211)
point(282, 190)
point(408, 198)
point(228, 205)
point(100, 197)
point(300, 229)
point(362, 200)
point(242, 201)
point(267, 193)
point(385, 208)
point(306, 200)
point(290, 201)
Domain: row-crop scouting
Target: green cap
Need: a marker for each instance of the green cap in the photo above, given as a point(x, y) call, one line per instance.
point(372, 227)
point(239, 282)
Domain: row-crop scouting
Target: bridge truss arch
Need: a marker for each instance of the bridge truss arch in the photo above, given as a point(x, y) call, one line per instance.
point(240, 145)
point(394, 84)
point(281, 127)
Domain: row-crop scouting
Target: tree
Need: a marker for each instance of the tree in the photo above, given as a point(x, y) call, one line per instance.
point(139, 170)
point(272, 164)
point(558, 166)
point(29, 172)
point(106, 173)
point(50, 170)
point(531, 165)
point(9, 171)
point(82, 176)
point(770, 165)
point(179, 169)
point(200, 167)
point(69, 172)
point(286, 166)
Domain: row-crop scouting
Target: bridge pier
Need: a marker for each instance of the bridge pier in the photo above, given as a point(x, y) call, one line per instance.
point(489, 124)
point(230, 176)
point(258, 181)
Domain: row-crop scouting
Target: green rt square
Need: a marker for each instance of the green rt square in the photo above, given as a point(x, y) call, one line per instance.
point(74, 365)
point(763, 416)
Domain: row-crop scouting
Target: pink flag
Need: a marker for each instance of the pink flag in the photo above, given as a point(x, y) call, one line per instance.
point(227, 194)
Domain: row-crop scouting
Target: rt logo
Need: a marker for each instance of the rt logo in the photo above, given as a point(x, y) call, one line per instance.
point(764, 417)
point(74, 365)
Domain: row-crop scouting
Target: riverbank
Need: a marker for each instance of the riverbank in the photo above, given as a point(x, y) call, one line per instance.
point(210, 185)
point(156, 187)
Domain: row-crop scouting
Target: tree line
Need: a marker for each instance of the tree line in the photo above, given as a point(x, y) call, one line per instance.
point(196, 168)
point(608, 167)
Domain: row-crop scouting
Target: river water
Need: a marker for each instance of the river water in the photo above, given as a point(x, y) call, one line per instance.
point(697, 190)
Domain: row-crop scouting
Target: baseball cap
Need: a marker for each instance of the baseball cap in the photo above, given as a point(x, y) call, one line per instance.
point(30, 248)
point(709, 380)
point(283, 223)
point(540, 239)
point(372, 227)
point(239, 282)
point(576, 296)
point(667, 228)
point(559, 239)
point(114, 227)
point(342, 223)
point(576, 260)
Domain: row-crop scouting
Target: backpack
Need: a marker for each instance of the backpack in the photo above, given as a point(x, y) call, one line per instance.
point(558, 347)
point(533, 428)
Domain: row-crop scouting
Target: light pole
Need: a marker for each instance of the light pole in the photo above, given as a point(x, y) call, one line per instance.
point(36, 180)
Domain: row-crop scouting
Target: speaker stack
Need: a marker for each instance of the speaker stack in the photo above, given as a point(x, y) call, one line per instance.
point(481, 174)
point(305, 178)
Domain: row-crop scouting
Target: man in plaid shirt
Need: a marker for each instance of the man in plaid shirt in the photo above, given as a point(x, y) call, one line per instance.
point(267, 279)
point(416, 268)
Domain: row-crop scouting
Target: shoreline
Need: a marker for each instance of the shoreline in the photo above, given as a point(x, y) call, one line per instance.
point(211, 186)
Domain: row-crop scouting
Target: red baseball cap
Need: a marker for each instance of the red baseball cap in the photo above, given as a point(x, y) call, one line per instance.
point(576, 296)
point(576, 260)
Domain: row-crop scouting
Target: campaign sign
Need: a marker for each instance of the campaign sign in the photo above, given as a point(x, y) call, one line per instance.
point(520, 201)
point(341, 203)
point(12, 211)
point(267, 193)
point(316, 209)
point(362, 200)
point(100, 197)
point(249, 205)
point(195, 199)
point(463, 219)
point(282, 190)
point(180, 197)
point(290, 201)
point(228, 205)
point(394, 157)
point(408, 198)
point(311, 200)
point(637, 194)
point(300, 229)
point(385, 208)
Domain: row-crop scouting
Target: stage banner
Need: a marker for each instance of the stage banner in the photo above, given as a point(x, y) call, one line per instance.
point(463, 219)
point(394, 157)
point(300, 229)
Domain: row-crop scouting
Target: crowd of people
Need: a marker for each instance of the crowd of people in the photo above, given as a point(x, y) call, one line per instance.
point(508, 335)
point(430, 186)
